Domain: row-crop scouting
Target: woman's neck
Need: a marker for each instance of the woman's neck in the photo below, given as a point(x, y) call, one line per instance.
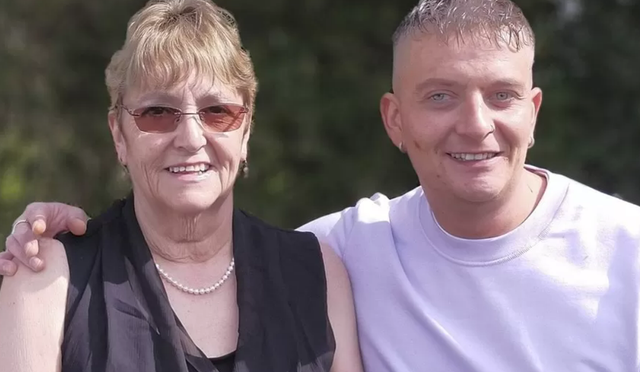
point(186, 238)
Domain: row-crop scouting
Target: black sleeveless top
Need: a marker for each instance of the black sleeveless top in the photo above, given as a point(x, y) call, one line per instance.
point(224, 363)
point(119, 318)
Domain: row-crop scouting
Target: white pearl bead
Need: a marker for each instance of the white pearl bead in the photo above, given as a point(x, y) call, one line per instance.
point(199, 291)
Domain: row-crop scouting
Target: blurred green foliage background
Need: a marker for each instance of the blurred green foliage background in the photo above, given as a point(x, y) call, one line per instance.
point(319, 143)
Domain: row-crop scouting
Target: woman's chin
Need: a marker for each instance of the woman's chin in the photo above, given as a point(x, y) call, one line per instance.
point(191, 203)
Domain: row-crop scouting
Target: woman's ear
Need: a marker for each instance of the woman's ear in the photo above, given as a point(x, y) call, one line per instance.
point(118, 137)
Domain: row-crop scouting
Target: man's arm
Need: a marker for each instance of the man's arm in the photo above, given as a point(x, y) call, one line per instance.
point(37, 221)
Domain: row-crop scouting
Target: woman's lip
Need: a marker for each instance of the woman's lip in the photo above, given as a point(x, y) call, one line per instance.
point(191, 176)
point(189, 164)
point(196, 168)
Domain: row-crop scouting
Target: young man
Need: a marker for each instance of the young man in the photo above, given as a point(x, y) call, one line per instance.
point(491, 264)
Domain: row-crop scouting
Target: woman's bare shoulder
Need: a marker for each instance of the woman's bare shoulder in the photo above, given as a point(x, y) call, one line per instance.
point(32, 311)
point(341, 313)
point(54, 274)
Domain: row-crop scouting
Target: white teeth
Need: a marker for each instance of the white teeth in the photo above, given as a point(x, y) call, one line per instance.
point(190, 168)
point(470, 157)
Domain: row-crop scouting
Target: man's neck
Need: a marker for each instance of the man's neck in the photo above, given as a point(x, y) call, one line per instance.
point(491, 219)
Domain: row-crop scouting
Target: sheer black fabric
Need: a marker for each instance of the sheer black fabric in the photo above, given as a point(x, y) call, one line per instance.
point(224, 363)
point(119, 317)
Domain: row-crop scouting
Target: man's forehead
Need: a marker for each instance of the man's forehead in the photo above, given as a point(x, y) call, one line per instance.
point(433, 45)
point(435, 65)
point(429, 52)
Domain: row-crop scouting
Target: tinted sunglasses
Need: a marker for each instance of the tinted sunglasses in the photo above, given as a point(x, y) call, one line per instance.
point(160, 119)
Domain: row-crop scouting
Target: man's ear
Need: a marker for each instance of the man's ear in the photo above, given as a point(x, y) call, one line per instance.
point(536, 100)
point(390, 112)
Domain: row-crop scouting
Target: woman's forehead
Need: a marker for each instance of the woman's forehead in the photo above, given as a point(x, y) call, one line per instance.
point(193, 88)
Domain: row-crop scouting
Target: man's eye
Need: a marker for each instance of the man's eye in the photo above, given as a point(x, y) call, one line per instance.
point(503, 96)
point(438, 97)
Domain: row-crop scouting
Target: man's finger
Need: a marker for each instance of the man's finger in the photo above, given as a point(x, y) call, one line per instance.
point(76, 220)
point(49, 219)
point(39, 215)
point(7, 266)
point(39, 226)
point(20, 226)
point(77, 226)
point(24, 247)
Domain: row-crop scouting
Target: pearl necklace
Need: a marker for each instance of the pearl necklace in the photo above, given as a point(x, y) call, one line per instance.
point(197, 291)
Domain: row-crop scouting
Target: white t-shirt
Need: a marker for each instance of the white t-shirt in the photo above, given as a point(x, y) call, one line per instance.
point(559, 293)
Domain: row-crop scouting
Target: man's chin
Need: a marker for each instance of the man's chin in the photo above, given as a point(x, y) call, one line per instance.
point(478, 194)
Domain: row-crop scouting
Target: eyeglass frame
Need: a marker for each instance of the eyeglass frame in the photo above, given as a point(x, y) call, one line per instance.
point(179, 114)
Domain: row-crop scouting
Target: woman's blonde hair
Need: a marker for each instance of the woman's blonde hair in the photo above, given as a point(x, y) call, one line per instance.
point(169, 40)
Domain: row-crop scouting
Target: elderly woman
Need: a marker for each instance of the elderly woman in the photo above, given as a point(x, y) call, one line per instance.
point(172, 277)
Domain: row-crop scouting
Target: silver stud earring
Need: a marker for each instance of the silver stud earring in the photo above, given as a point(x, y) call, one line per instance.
point(123, 165)
point(244, 168)
point(532, 141)
point(401, 148)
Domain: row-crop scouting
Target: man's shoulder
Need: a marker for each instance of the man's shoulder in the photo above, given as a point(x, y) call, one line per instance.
point(374, 208)
point(367, 213)
point(603, 212)
point(584, 196)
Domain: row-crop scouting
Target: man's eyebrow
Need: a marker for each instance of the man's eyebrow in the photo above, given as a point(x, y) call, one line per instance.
point(507, 82)
point(432, 82)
